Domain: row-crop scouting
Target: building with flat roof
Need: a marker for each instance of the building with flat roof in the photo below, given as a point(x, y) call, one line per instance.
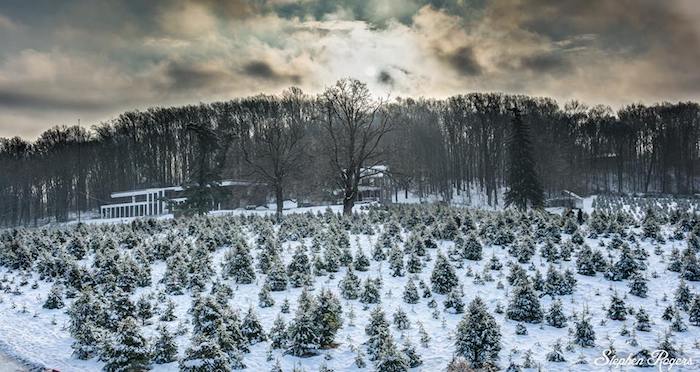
point(157, 201)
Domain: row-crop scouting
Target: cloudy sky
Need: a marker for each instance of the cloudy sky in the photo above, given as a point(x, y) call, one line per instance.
point(92, 59)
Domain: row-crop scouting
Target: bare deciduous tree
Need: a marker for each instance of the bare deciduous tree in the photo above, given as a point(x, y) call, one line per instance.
point(355, 125)
point(273, 148)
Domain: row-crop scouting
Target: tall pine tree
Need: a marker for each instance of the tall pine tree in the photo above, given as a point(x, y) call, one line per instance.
point(524, 187)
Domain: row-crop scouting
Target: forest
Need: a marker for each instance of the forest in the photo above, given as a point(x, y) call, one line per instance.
point(293, 142)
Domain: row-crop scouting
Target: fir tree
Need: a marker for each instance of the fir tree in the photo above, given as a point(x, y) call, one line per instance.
point(251, 328)
point(583, 331)
point(555, 316)
point(638, 286)
point(389, 358)
point(668, 346)
point(414, 265)
point(478, 337)
point(327, 317)
point(278, 333)
point(238, 264)
point(277, 277)
point(55, 298)
point(127, 350)
point(361, 262)
point(299, 270)
point(443, 277)
point(205, 355)
point(453, 302)
point(410, 293)
point(524, 305)
point(682, 296)
point(165, 348)
point(617, 309)
point(264, 297)
point(677, 324)
point(412, 357)
point(556, 355)
point(642, 320)
point(471, 249)
point(524, 187)
point(370, 292)
point(694, 311)
point(401, 320)
point(302, 331)
point(144, 310)
point(350, 285)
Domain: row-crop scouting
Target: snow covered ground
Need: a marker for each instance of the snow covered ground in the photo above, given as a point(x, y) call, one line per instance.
point(41, 336)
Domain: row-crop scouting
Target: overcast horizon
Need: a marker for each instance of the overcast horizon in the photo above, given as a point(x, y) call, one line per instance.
point(95, 59)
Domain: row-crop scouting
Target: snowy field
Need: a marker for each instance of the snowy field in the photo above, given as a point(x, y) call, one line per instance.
point(628, 246)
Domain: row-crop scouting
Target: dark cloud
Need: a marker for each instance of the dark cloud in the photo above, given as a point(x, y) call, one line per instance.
point(263, 70)
point(184, 76)
point(42, 101)
point(463, 61)
point(546, 63)
point(385, 77)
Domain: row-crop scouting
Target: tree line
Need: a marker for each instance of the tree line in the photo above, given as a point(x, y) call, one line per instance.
point(303, 146)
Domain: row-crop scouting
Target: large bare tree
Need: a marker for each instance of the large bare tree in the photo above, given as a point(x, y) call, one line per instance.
point(273, 149)
point(355, 125)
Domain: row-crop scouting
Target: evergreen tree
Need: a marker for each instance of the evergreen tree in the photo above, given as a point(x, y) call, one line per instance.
point(412, 357)
point(350, 284)
point(617, 309)
point(414, 265)
point(264, 297)
point(524, 187)
point(677, 324)
point(555, 316)
point(55, 298)
point(642, 320)
point(251, 328)
point(165, 348)
point(556, 355)
point(370, 292)
point(205, 355)
point(524, 305)
point(682, 296)
point(443, 277)
point(361, 262)
point(302, 331)
point(127, 350)
point(144, 310)
point(299, 270)
point(390, 359)
point(410, 293)
point(238, 264)
point(327, 317)
point(478, 337)
point(638, 286)
point(471, 248)
point(396, 261)
point(583, 333)
point(694, 311)
point(401, 320)
point(277, 277)
point(278, 333)
point(453, 302)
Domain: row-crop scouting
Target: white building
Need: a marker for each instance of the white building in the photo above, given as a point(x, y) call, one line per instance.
point(156, 201)
point(141, 203)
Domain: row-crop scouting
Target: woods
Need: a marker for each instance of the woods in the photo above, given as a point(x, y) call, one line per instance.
point(435, 147)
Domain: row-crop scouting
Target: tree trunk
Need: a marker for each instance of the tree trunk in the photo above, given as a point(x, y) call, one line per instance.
point(349, 200)
point(279, 199)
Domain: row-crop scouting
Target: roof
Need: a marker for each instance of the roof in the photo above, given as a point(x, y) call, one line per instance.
point(152, 190)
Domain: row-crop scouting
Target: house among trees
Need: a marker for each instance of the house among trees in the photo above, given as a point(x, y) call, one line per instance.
point(565, 199)
point(159, 201)
point(375, 185)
